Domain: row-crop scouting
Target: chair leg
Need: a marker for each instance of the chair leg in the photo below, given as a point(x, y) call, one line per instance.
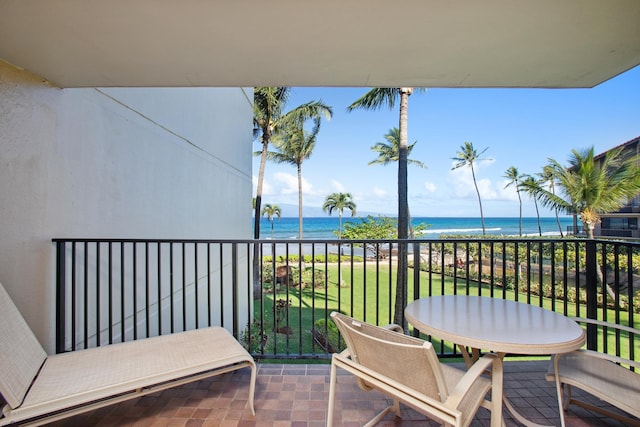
point(567, 401)
point(497, 374)
point(332, 393)
point(375, 420)
point(560, 390)
point(396, 408)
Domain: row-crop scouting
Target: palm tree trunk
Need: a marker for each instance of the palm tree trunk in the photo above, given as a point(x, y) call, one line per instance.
point(520, 201)
point(300, 216)
point(589, 227)
point(263, 162)
point(257, 258)
point(300, 202)
point(559, 225)
point(535, 202)
point(402, 164)
point(557, 216)
point(339, 252)
point(473, 175)
point(403, 211)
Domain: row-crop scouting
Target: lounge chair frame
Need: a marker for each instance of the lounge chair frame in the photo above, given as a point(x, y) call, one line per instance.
point(602, 375)
point(38, 389)
point(451, 397)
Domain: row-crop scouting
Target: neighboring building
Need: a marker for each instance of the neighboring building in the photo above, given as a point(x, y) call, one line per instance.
point(623, 223)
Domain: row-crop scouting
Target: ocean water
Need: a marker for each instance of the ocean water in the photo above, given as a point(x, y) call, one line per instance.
point(324, 227)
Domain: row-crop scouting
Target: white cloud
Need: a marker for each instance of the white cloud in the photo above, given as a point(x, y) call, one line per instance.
point(508, 193)
point(379, 192)
point(461, 181)
point(430, 187)
point(289, 184)
point(486, 189)
point(337, 186)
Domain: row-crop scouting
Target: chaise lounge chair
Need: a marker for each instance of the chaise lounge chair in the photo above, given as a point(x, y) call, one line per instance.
point(38, 389)
point(407, 370)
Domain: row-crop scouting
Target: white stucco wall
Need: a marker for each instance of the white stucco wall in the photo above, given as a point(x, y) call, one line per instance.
point(134, 163)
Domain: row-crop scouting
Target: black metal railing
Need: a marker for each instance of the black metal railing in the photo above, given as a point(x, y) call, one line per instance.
point(113, 290)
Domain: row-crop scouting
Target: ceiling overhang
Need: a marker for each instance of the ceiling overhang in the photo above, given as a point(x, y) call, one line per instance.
point(369, 43)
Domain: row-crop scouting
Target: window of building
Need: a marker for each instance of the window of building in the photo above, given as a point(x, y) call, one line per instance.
point(620, 223)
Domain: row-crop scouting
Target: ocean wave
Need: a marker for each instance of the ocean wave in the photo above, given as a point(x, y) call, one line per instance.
point(458, 230)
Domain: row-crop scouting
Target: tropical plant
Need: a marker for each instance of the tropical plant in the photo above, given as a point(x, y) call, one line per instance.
point(531, 185)
point(268, 119)
point(547, 178)
point(514, 178)
point(339, 202)
point(373, 100)
point(467, 156)
point(389, 152)
point(374, 228)
point(590, 187)
point(271, 211)
point(294, 145)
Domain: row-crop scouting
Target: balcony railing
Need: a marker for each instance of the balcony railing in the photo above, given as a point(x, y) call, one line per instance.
point(113, 290)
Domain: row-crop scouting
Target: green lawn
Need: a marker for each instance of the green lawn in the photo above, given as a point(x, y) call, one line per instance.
point(372, 303)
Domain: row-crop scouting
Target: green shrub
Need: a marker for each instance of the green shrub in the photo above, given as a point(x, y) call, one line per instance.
point(326, 335)
point(254, 340)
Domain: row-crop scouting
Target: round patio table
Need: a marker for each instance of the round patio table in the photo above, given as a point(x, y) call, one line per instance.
point(497, 325)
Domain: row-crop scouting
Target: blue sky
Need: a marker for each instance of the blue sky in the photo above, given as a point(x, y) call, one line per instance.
point(519, 127)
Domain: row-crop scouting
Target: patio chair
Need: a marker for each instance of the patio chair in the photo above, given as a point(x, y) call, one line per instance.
point(605, 376)
point(407, 370)
point(38, 389)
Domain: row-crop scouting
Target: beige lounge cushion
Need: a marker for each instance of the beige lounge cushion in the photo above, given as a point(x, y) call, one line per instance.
point(78, 377)
point(21, 355)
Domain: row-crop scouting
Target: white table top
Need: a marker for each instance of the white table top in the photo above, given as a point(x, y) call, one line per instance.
point(494, 324)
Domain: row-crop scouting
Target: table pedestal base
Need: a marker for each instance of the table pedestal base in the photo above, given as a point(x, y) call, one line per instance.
point(470, 359)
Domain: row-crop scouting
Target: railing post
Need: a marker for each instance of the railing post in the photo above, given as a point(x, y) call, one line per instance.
point(592, 292)
point(416, 270)
point(235, 288)
point(61, 319)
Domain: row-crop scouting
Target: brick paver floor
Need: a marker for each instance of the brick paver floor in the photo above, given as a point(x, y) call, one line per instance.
point(295, 395)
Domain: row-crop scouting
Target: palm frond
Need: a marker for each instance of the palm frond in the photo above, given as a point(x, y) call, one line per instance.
point(376, 98)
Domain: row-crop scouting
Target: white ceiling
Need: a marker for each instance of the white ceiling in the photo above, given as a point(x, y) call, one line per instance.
point(371, 43)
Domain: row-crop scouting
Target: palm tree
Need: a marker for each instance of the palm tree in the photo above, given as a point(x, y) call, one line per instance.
point(589, 187)
point(389, 152)
point(531, 185)
point(467, 156)
point(547, 177)
point(268, 120)
point(339, 202)
point(373, 100)
point(294, 146)
point(271, 211)
point(514, 178)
